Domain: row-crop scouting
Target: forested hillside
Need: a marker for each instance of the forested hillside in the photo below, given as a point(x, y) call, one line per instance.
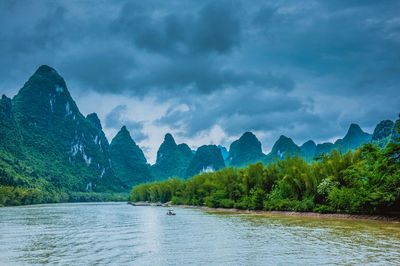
point(365, 180)
point(51, 152)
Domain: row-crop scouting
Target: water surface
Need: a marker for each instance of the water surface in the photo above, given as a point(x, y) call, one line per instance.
point(120, 234)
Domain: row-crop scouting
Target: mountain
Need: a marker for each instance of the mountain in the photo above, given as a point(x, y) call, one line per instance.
point(128, 161)
point(245, 150)
point(60, 148)
point(283, 147)
point(353, 139)
point(395, 136)
point(208, 158)
point(172, 159)
point(308, 149)
point(10, 135)
point(224, 152)
point(383, 133)
point(325, 147)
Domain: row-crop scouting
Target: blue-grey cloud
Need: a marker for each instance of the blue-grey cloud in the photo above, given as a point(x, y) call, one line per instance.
point(116, 119)
point(214, 27)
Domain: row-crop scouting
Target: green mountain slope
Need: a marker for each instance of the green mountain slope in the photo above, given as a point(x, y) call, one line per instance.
point(353, 139)
point(383, 133)
point(60, 150)
point(128, 161)
point(224, 152)
point(245, 150)
point(208, 158)
point(283, 147)
point(308, 149)
point(325, 147)
point(172, 159)
point(10, 134)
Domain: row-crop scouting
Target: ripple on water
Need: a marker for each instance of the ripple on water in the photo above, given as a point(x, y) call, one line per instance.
point(116, 233)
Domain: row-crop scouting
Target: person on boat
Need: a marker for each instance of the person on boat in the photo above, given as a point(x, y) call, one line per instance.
point(170, 212)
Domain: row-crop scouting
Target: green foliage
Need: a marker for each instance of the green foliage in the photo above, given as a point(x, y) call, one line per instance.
point(346, 199)
point(383, 133)
point(49, 151)
point(129, 163)
point(284, 147)
point(245, 150)
point(366, 180)
point(14, 196)
point(207, 157)
point(172, 159)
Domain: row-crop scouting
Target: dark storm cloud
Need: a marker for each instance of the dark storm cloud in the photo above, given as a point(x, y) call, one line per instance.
point(116, 119)
point(215, 27)
point(104, 68)
point(347, 40)
point(28, 33)
point(205, 76)
point(305, 69)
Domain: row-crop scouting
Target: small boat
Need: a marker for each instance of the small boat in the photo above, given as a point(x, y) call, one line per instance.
point(171, 212)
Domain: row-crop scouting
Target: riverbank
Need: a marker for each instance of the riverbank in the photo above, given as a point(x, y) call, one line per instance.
point(21, 199)
point(305, 214)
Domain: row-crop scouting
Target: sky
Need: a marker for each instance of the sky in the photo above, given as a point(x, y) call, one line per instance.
point(208, 71)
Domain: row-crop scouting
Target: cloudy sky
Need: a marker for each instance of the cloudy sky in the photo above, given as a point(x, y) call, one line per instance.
point(207, 71)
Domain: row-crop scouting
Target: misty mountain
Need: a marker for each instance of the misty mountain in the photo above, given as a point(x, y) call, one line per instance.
point(128, 161)
point(283, 147)
point(308, 149)
point(208, 158)
point(353, 139)
point(172, 159)
point(247, 149)
point(383, 133)
point(224, 152)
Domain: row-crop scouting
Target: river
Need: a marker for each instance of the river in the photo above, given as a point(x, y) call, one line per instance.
point(120, 234)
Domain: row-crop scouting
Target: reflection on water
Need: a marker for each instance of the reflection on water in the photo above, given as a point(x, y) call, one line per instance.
point(117, 233)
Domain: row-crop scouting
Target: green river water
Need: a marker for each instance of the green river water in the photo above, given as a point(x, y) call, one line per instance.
point(120, 234)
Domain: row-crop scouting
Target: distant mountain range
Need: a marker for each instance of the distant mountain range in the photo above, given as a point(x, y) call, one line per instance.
point(47, 143)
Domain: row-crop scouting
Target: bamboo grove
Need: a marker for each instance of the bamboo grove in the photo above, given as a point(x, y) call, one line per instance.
point(366, 180)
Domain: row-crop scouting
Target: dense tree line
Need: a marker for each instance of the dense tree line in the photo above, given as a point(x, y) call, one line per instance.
point(14, 196)
point(366, 180)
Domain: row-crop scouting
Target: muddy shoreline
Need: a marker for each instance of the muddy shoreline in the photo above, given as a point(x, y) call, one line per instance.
point(305, 214)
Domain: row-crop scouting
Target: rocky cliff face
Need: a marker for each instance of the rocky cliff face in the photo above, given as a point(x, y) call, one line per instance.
point(54, 133)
